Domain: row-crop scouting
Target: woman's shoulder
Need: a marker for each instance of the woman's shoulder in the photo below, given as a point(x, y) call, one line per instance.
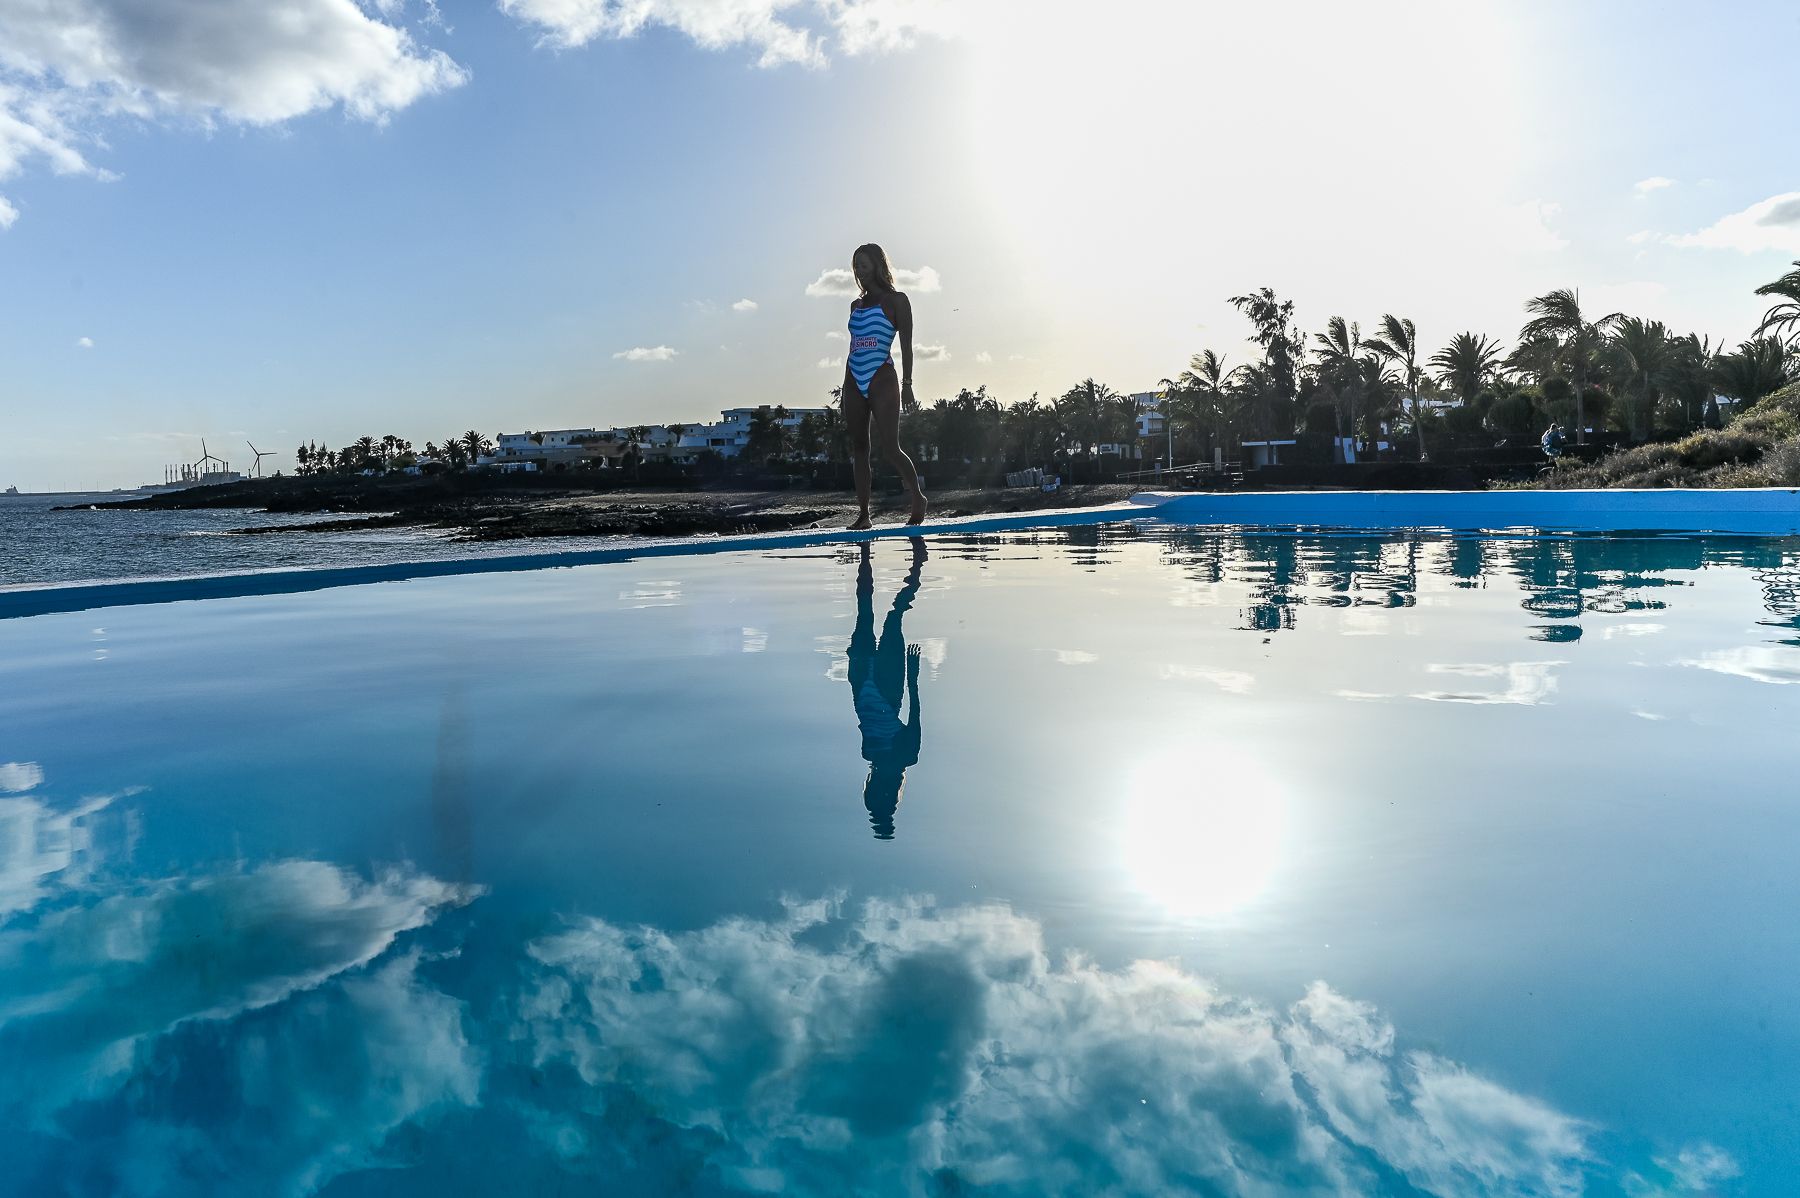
point(893, 301)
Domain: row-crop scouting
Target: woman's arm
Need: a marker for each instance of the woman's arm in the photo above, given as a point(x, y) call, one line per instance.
point(912, 677)
point(903, 326)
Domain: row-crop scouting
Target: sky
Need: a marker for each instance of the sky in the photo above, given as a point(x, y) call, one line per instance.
point(313, 221)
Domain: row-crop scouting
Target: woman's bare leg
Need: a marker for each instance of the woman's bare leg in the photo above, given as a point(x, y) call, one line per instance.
point(884, 404)
point(856, 422)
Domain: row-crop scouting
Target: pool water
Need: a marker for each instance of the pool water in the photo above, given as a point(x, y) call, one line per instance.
point(1129, 859)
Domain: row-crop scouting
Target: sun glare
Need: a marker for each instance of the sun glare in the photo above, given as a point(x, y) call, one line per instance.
point(1200, 840)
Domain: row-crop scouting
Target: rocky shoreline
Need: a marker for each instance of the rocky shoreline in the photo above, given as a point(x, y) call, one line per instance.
point(496, 508)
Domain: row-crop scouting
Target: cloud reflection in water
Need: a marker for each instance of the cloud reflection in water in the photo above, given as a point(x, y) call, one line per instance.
point(908, 1048)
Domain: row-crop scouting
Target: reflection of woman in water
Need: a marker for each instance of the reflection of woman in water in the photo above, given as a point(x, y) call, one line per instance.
point(881, 673)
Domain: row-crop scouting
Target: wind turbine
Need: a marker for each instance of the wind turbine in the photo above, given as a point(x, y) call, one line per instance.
point(206, 457)
point(256, 466)
point(209, 457)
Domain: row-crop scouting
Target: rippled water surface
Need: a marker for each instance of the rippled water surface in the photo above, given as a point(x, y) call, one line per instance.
point(1126, 859)
point(40, 544)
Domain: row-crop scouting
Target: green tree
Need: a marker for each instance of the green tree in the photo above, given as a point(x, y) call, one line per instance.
point(472, 443)
point(1085, 413)
point(1272, 325)
point(1467, 364)
point(1030, 432)
point(809, 438)
point(1205, 399)
point(1783, 318)
point(1760, 367)
point(1689, 378)
point(1338, 368)
point(1637, 352)
point(1122, 421)
point(1557, 317)
point(1398, 344)
point(768, 436)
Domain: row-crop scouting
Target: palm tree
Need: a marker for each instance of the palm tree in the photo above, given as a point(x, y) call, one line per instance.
point(1030, 432)
point(1084, 411)
point(1399, 344)
point(1273, 323)
point(1339, 368)
point(456, 451)
point(1122, 421)
point(1206, 389)
point(1692, 370)
point(1467, 364)
point(1638, 353)
point(1783, 319)
point(1557, 315)
point(472, 443)
point(1255, 393)
point(1759, 368)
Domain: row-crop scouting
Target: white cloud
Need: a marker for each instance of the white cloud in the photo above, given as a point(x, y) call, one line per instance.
point(838, 335)
point(1654, 183)
point(984, 357)
point(932, 353)
point(1775, 664)
point(840, 282)
point(42, 846)
point(318, 1085)
point(909, 1047)
point(21, 775)
point(744, 305)
point(1528, 683)
point(1693, 1172)
point(8, 213)
point(1075, 657)
point(68, 68)
point(1527, 228)
point(1700, 1167)
point(82, 987)
point(84, 342)
point(1640, 237)
point(778, 31)
point(1235, 682)
point(1771, 224)
point(830, 363)
point(656, 353)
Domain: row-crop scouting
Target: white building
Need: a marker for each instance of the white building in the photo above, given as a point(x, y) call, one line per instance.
point(1150, 414)
point(678, 443)
point(564, 444)
point(728, 436)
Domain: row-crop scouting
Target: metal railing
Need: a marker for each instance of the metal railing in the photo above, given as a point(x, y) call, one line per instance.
point(1193, 470)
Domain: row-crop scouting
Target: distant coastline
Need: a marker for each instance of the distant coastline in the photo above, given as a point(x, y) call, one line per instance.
point(486, 507)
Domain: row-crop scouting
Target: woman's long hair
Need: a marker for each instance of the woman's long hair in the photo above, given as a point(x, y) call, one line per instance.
point(884, 274)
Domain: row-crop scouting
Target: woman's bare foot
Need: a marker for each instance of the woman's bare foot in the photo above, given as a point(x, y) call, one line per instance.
point(919, 508)
point(862, 524)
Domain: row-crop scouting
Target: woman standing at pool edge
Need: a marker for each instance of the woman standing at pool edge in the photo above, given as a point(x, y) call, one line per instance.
point(872, 392)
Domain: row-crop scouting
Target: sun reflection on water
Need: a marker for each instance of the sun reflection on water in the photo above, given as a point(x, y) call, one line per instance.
point(1203, 837)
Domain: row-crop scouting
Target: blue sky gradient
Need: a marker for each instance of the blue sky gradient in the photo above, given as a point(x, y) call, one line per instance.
point(1089, 186)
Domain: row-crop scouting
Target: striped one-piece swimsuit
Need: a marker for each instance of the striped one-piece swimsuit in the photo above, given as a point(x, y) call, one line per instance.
point(871, 343)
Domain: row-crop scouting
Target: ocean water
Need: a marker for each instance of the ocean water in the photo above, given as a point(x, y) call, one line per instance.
point(1125, 859)
point(41, 545)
